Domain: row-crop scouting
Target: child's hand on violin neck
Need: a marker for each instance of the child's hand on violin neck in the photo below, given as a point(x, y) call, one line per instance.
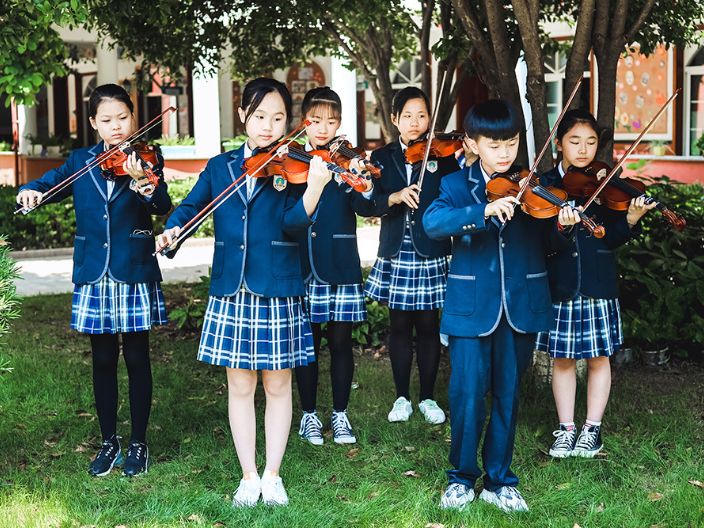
point(318, 173)
point(358, 168)
point(29, 198)
point(167, 237)
point(503, 208)
point(410, 196)
point(637, 208)
point(568, 216)
point(134, 168)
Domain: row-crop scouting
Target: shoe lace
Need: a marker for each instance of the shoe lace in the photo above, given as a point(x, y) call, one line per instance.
point(310, 425)
point(399, 406)
point(135, 446)
point(106, 449)
point(341, 425)
point(587, 438)
point(564, 437)
point(510, 493)
point(431, 405)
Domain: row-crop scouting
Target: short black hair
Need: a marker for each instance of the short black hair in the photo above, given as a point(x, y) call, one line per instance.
point(108, 91)
point(495, 119)
point(256, 90)
point(405, 95)
point(323, 97)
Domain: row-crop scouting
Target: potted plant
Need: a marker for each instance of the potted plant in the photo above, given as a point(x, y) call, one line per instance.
point(5, 146)
point(233, 143)
point(176, 147)
point(657, 147)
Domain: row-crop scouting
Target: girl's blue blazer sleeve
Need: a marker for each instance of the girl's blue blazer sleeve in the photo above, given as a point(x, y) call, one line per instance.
point(496, 268)
point(588, 265)
point(113, 235)
point(256, 241)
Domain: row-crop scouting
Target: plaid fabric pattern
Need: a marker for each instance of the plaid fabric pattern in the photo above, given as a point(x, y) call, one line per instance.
point(408, 281)
point(335, 302)
point(109, 307)
point(586, 328)
point(256, 333)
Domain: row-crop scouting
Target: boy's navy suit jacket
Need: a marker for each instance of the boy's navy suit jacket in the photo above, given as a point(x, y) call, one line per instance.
point(113, 235)
point(496, 268)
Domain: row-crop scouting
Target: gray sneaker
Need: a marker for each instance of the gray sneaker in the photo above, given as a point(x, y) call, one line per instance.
point(507, 498)
point(456, 497)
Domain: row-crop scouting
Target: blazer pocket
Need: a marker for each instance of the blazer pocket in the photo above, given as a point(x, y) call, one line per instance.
point(218, 260)
point(460, 296)
point(539, 298)
point(285, 263)
point(142, 248)
point(605, 266)
point(345, 254)
point(79, 250)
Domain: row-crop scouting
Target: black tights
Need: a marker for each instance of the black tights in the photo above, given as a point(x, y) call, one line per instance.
point(339, 336)
point(401, 350)
point(106, 351)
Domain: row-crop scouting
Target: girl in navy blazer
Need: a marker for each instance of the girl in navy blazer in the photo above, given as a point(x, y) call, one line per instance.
point(115, 274)
point(256, 319)
point(331, 266)
point(584, 292)
point(411, 269)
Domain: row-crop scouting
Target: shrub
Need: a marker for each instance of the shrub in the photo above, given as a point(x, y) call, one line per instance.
point(9, 301)
point(662, 274)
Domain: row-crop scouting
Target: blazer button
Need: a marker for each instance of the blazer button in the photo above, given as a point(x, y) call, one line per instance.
point(474, 225)
point(243, 217)
point(313, 234)
point(413, 222)
point(503, 245)
point(105, 217)
point(242, 247)
point(464, 228)
point(575, 254)
point(105, 245)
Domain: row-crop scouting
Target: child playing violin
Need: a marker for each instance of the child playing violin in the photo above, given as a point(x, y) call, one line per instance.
point(255, 319)
point(117, 278)
point(411, 269)
point(584, 291)
point(330, 261)
point(497, 299)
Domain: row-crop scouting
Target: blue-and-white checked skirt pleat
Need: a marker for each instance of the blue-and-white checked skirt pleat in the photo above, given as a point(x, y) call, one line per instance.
point(256, 333)
point(408, 281)
point(109, 307)
point(586, 328)
point(335, 302)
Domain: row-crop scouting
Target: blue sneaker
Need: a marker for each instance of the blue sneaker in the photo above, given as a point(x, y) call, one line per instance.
point(311, 428)
point(507, 498)
point(456, 497)
point(109, 456)
point(564, 443)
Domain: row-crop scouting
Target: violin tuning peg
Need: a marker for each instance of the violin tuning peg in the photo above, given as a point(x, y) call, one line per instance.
point(348, 190)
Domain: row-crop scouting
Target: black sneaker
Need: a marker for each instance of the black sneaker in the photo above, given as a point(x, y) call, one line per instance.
point(108, 457)
point(589, 442)
point(564, 445)
point(137, 460)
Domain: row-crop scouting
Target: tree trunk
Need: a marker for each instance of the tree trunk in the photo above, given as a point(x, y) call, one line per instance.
point(428, 6)
point(581, 46)
point(607, 104)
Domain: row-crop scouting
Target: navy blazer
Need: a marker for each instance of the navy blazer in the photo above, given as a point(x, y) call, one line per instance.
point(587, 267)
point(496, 268)
point(393, 219)
point(256, 241)
point(329, 248)
point(114, 235)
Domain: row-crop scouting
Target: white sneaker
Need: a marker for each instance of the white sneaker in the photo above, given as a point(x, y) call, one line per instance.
point(310, 428)
point(507, 498)
point(341, 428)
point(401, 411)
point(456, 497)
point(248, 491)
point(273, 492)
point(431, 411)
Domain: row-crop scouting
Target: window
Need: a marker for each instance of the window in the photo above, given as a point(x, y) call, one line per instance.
point(554, 84)
point(694, 100)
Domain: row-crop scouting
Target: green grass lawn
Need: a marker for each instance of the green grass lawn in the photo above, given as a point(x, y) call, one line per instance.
point(48, 432)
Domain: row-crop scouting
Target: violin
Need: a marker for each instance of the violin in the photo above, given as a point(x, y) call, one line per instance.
point(291, 163)
point(342, 152)
point(114, 164)
point(617, 195)
point(441, 146)
point(537, 201)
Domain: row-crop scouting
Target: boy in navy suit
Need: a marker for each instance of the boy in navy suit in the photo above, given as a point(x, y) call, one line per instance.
point(497, 300)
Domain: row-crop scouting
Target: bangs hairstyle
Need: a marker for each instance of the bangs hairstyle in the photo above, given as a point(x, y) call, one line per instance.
point(255, 92)
point(108, 91)
point(324, 101)
point(576, 117)
point(405, 95)
point(496, 119)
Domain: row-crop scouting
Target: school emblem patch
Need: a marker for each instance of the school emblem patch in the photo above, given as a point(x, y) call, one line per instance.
point(280, 183)
point(432, 166)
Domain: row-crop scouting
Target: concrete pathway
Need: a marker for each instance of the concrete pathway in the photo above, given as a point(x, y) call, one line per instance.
point(49, 271)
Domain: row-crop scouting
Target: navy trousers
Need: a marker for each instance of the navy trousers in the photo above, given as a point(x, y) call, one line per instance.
point(493, 363)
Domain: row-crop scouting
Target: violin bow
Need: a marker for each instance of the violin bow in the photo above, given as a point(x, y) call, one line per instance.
point(195, 222)
point(631, 148)
point(525, 185)
point(100, 158)
point(431, 131)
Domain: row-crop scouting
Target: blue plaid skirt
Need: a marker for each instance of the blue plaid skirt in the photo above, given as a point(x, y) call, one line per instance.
point(109, 307)
point(586, 328)
point(256, 333)
point(335, 302)
point(408, 281)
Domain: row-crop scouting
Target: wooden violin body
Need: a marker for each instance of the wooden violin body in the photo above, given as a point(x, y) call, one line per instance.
point(441, 146)
point(342, 152)
point(146, 154)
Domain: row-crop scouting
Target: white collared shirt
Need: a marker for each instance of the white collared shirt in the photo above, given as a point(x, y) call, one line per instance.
point(249, 179)
point(409, 167)
point(484, 174)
